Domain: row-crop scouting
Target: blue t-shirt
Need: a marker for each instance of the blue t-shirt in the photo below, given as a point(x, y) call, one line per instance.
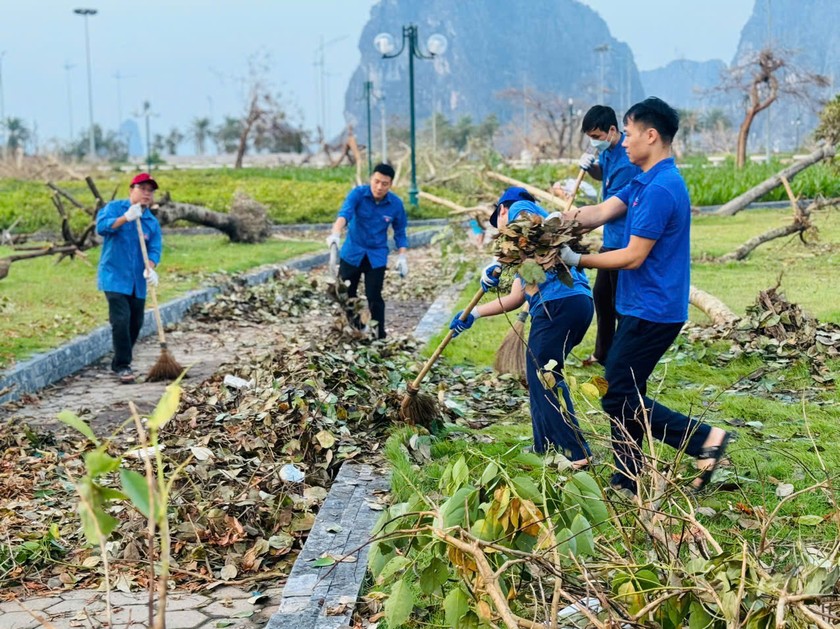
point(552, 288)
point(121, 261)
point(658, 208)
point(367, 226)
point(617, 171)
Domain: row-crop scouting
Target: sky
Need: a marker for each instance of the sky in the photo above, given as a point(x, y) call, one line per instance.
point(190, 58)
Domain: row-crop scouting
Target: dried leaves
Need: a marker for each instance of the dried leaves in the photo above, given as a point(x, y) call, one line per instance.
point(531, 246)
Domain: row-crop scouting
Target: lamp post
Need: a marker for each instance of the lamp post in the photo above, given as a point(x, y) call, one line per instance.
point(571, 125)
point(67, 68)
point(368, 90)
point(85, 13)
point(602, 50)
point(147, 113)
point(436, 45)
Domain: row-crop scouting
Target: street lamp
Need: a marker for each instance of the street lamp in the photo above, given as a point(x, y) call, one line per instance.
point(85, 13)
point(368, 90)
point(602, 49)
point(67, 68)
point(436, 45)
point(571, 124)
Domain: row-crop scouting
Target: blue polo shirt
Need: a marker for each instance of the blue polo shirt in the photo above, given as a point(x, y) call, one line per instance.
point(121, 261)
point(658, 208)
point(617, 171)
point(552, 288)
point(367, 226)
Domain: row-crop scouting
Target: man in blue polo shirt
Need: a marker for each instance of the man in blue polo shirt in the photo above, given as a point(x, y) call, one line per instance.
point(368, 212)
point(614, 170)
point(652, 297)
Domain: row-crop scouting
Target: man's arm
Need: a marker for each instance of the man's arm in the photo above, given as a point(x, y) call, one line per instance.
point(595, 171)
point(592, 216)
point(509, 302)
point(629, 258)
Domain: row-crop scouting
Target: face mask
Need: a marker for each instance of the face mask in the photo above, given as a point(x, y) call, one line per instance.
point(601, 145)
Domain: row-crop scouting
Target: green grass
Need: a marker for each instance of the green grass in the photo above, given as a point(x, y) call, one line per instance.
point(44, 304)
point(291, 195)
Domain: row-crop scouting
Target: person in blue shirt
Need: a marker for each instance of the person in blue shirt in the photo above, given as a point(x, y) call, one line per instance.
point(122, 273)
point(652, 297)
point(368, 212)
point(560, 317)
point(614, 170)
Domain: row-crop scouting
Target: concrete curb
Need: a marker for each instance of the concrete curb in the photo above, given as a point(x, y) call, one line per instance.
point(45, 369)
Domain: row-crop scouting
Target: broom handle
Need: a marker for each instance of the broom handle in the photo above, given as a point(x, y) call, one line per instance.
point(575, 190)
point(151, 289)
point(473, 303)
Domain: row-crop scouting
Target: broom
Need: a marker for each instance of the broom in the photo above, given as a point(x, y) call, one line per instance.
point(510, 357)
point(416, 407)
point(166, 367)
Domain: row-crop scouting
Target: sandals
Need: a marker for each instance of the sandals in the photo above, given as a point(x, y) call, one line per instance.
point(711, 452)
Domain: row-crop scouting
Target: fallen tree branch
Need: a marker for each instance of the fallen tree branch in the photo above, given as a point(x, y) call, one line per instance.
point(538, 194)
point(711, 306)
point(740, 202)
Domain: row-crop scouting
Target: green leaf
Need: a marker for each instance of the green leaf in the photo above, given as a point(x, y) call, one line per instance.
point(453, 511)
point(489, 474)
point(136, 488)
point(584, 538)
point(434, 576)
point(526, 488)
point(96, 523)
point(100, 462)
point(809, 520)
point(74, 421)
point(698, 617)
point(460, 473)
point(566, 543)
point(399, 605)
point(455, 606)
point(377, 559)
point(166, 407)
point(394, 565)
point(322, 562)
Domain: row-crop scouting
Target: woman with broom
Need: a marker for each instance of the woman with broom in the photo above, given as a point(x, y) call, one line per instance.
point(560, 317)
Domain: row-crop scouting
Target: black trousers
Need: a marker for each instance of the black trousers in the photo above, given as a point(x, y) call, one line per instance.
point(638, 346)
point(374, 279)
point(603, 294)
point(125, 312)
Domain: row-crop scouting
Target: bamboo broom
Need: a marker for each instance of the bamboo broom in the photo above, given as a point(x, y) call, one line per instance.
point(166, 367)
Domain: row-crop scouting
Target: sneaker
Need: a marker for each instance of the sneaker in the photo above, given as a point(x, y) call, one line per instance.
point(126, 376)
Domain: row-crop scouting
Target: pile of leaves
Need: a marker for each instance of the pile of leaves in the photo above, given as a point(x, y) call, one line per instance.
point(780, 333)
point(530, 246)
point(237, 513)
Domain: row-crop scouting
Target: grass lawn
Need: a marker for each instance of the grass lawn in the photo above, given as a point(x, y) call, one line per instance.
point(44, 304)
point(775, 428)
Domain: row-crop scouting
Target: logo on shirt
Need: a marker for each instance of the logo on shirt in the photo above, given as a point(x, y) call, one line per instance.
point(387, 219)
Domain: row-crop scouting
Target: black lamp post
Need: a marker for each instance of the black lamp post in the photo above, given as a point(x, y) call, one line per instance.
point(368, 90)
point(86, 13)
point(436, 45)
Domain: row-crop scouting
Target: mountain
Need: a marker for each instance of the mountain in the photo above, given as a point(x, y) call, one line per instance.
point(686, 84)
point(557, 47)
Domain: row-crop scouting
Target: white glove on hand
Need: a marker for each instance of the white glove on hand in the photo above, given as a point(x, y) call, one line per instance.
point(151, 277)
point(333, 239)
point(402, 265)
point(586, 160)
point(134, 212)
point(569, 257)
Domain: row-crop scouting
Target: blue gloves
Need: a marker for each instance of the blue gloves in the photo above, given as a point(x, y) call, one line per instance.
point(490, 276)
point(458, 326)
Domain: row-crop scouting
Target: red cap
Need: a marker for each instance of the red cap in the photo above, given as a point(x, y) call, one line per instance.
point(144, 178)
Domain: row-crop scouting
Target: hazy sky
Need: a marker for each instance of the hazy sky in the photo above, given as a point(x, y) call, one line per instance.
point(188, 57)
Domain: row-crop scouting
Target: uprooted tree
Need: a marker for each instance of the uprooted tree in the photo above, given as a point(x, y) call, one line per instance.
point(763, 78)
point(246, 222)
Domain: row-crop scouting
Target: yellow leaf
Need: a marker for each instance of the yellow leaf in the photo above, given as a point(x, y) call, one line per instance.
point(589, 390)
point(166, 408)
point(326, 439)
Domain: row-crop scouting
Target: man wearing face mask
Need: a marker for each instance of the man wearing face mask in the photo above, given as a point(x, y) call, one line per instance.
point(614, 170)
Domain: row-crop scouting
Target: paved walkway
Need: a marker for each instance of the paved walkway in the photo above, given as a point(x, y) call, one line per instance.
point(79, 609)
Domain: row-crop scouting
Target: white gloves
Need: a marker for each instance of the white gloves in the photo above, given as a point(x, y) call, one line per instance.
point(569, 257)
point(134, 212)
point(586, 160)
point(402, 265)
point(333, 239)
point(151, 277)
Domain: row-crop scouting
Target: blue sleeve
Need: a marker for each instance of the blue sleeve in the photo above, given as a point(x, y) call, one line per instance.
point(106, 217)
point(653, 213)
point(155, 246)
point(623, 174)
point(348, 208)
point(623, 195)
point(399, 225)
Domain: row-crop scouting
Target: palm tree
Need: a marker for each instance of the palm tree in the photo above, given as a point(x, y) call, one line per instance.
point(173, 140)
point(199, 132)
point(17, 135)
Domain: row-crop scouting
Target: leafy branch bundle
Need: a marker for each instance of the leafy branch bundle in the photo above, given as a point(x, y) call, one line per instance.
point(530, 246)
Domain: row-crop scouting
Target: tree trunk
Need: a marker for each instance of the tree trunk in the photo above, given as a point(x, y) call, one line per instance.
point(539, 194)
point(743, 135)
point(6, 262)
point(235, 229)
point(711, 306)
point(740, 202)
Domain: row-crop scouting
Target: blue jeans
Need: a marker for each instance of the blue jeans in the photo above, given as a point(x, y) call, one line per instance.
point(557, 326)
point(636, 349)
point(126, 313)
